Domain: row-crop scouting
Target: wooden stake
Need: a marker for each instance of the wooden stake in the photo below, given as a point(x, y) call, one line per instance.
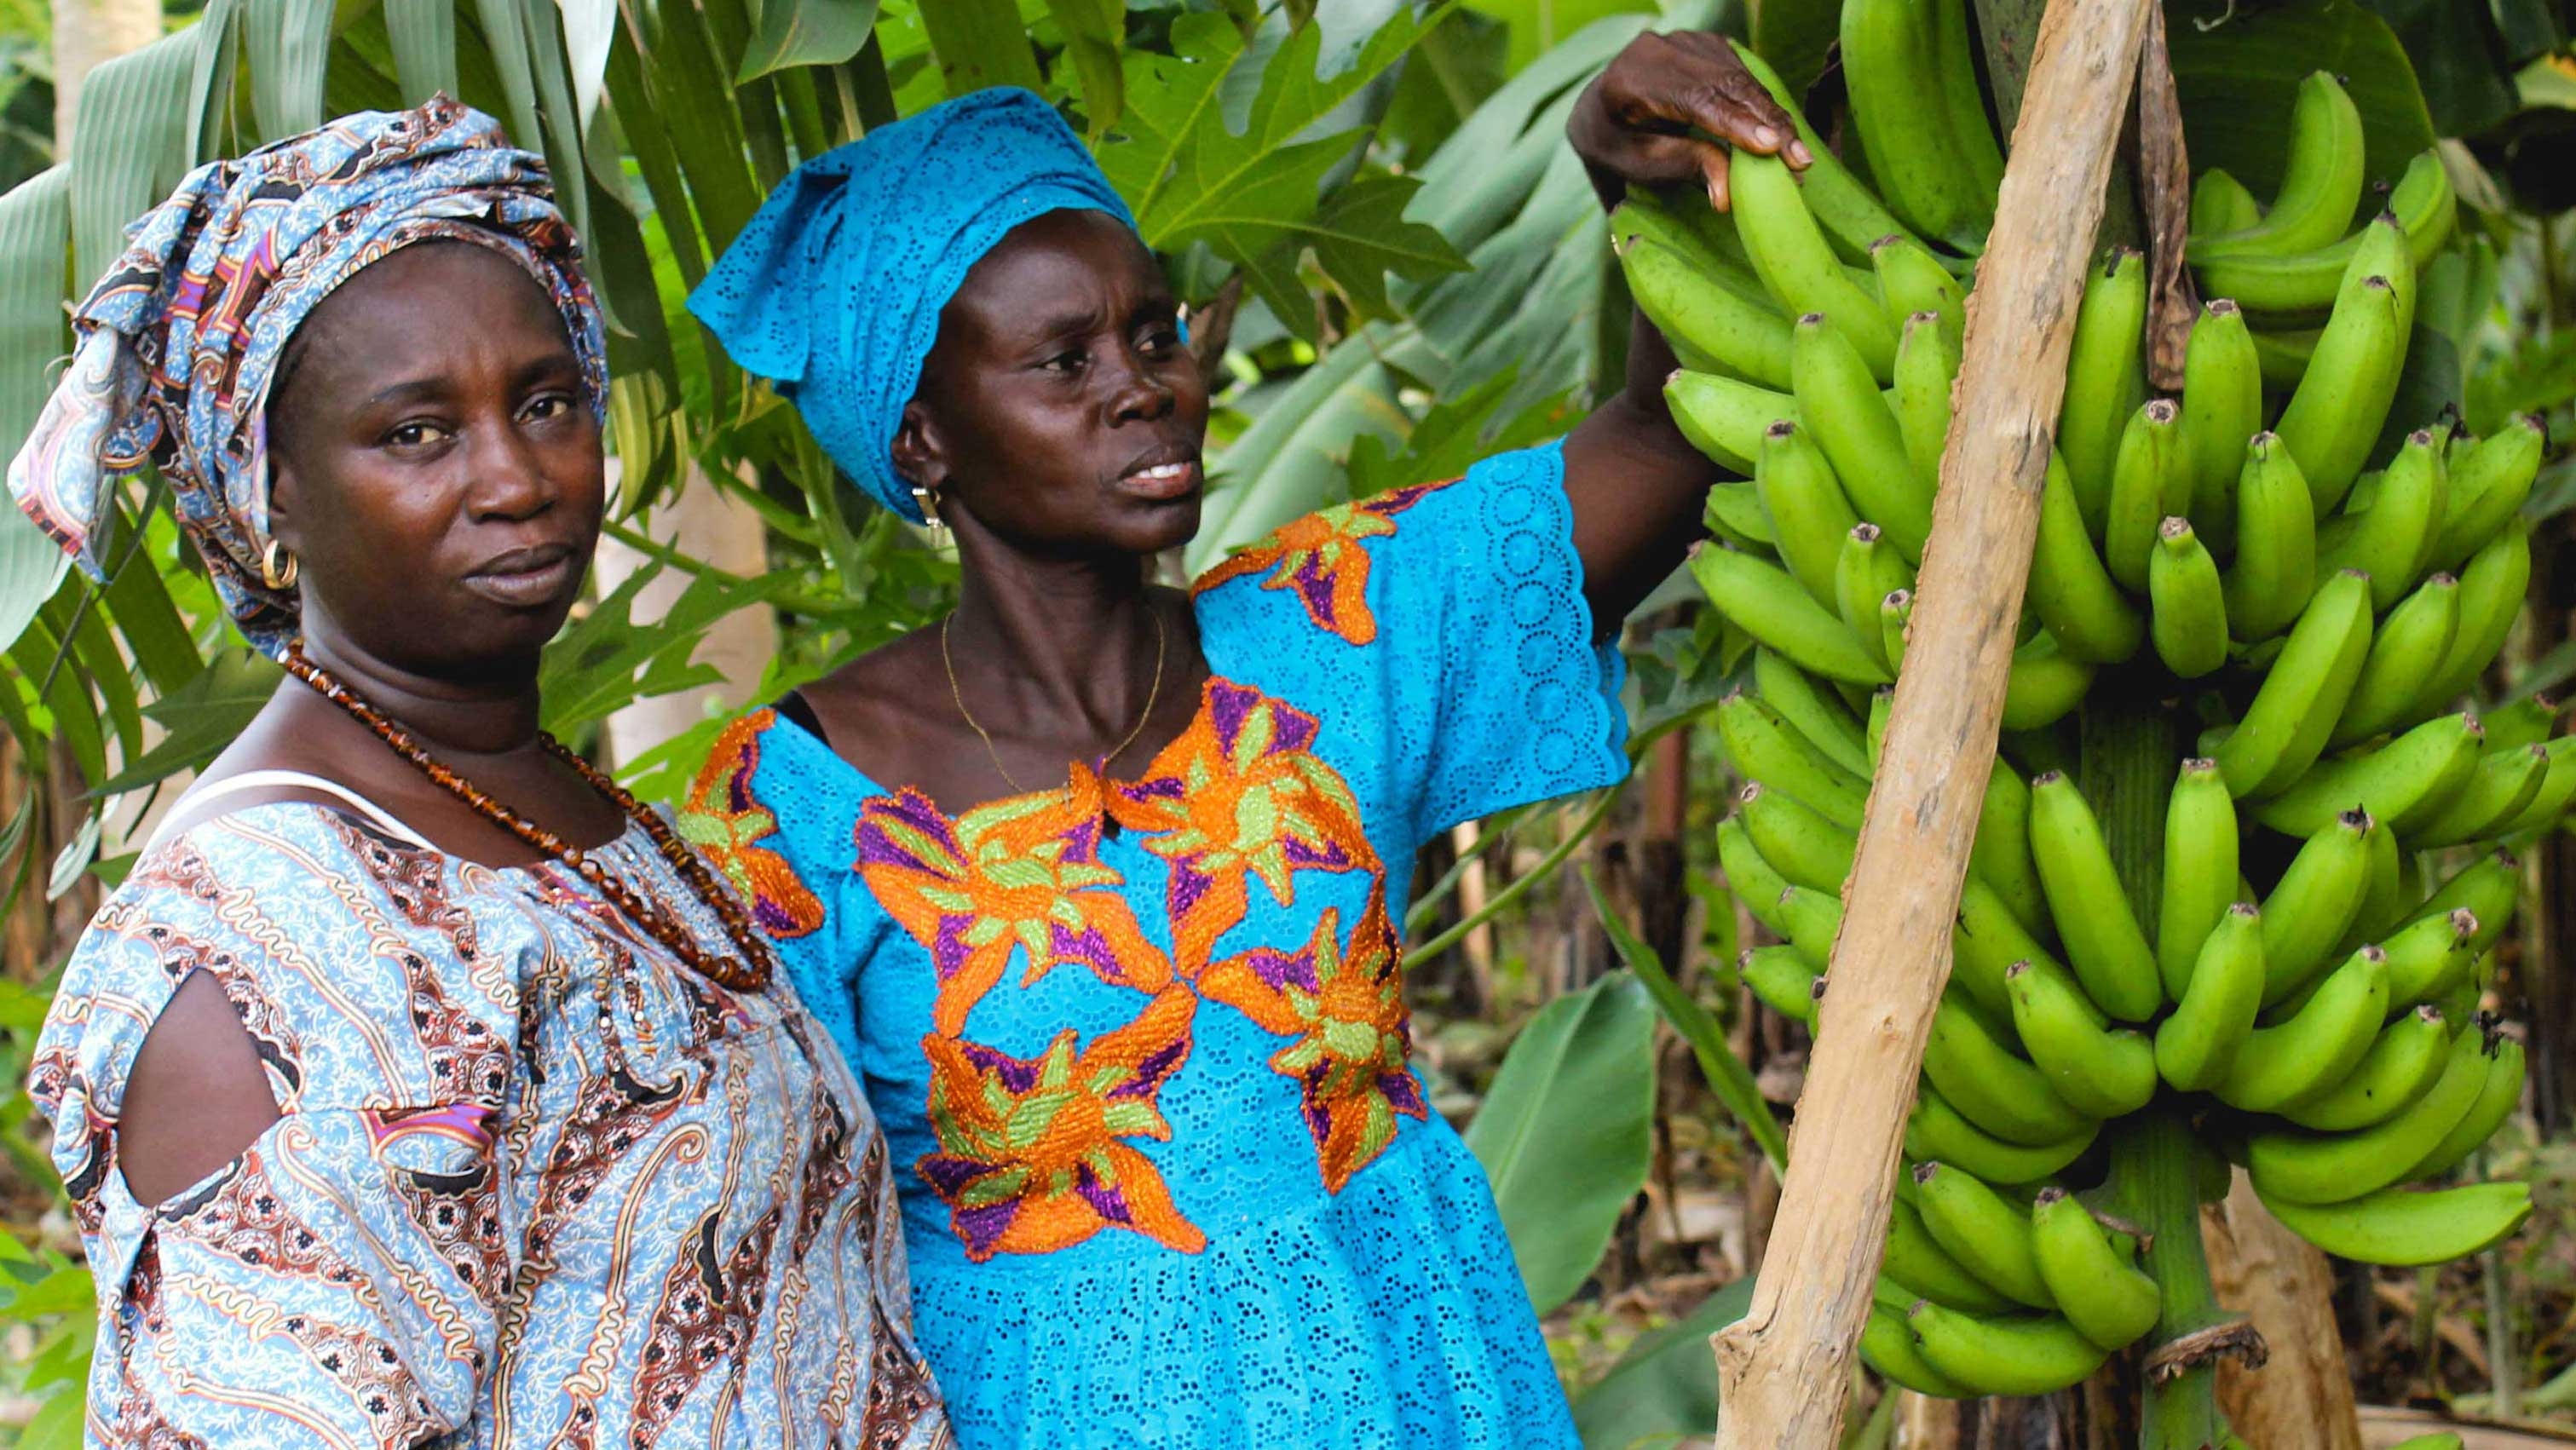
point(2304, 1395)
point(1783, 1366)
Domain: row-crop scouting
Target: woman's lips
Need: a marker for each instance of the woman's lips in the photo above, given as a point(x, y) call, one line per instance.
point(525, 579)
point(1163, 481)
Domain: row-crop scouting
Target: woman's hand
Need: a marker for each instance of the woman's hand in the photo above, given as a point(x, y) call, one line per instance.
point(1636, 121)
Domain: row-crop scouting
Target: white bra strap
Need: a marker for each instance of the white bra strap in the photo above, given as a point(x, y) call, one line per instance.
point(298, 780)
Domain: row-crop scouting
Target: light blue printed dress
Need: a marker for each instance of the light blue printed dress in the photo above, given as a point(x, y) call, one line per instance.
point(1140, 1046)
point(535, 1183)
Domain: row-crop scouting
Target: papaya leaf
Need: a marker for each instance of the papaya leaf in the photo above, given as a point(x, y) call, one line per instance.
point(1095, 34)
point(805, 32)
point(1566, 1132)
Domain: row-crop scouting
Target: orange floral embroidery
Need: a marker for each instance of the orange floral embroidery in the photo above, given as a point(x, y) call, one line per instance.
point(1321, 558)
point(1030, 1154)
point(1239, 794)
point(1022, 874)
point(1344, 1007)
point(725, 821)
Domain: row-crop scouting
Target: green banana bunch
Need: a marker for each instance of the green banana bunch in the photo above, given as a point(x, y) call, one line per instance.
point(2244, 552)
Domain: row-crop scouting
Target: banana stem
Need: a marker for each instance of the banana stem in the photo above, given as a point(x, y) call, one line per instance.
point(2155, 1177)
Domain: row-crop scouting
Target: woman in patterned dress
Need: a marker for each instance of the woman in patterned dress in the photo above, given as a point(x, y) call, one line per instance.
point(1098, 883)
point(417, 1087)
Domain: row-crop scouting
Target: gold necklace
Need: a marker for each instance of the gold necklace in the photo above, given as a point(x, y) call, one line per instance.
point(1153, 692)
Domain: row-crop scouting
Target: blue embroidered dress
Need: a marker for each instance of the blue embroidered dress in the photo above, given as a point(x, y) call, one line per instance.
point(1166, 1177)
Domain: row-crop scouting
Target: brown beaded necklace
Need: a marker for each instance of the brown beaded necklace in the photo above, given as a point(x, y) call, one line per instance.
point(750, 972)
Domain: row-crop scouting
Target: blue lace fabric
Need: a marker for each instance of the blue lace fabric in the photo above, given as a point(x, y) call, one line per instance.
point(1139, 1045)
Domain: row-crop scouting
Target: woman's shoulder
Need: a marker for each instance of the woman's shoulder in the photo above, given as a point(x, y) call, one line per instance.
point(327, 934)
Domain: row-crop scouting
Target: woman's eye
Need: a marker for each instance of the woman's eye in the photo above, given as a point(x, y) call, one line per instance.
point(552, 405)
point(1162, 340)
point(414, 435)
point(1069, 361)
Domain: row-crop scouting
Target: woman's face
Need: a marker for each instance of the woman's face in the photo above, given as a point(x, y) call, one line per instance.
point(1058, 407)
point(436, 464)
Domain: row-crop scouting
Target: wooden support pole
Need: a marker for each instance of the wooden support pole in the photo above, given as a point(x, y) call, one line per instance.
point(1782, 1367)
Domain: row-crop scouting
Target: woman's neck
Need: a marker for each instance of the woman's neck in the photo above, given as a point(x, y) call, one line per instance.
point(1051, 640)
point(492, 716)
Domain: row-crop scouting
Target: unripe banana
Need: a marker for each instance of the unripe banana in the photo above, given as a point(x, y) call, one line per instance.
point(1734, 514)
point(2189, 604)
point(1762, 746)
point(1881, 701)
point(2308, 1168)
point(2385, 898)
point(2106, 379)
point(2222, 407)
point(2406, 1229)
point(1895, 612)
point(2491, 597)
point(1783, 981)
point(2200, 870)
point(1983, 1230)
point(2320, 185)
point(1919, 1263)
point(2035, 1354)
point(2197, 1046)
point(1772, 607)
point(1811, 919)
point(2104, 942)
point(2385, 541)
point(2402, 783)
point(1853, 424)
point(1902, 116)
point(1711, 327)
point(1887, 1346)
point(1790, 255)
point(1979, 1075)
point(1808, 849)
point(2045, 684)
point(1868, 570)
point(2484, 807)
point(2429, 956)
point(2098, 1290)
point(2001, 857)
point(2070, 589)
point(2150, 481)
point(1956, 65)
point(1988, 939)
point(2319, 1045)
point(2299, 286)
point(1713, 251)
point(1809, 515)
point(2489, 485)
point(2335, 414)
point(1927, 361)
point(2275, 570)
point(2405, 650)
point(1755, 882)
point(2498, 1095)
point(2285, 728)
point(1847, 211)
point(2100, 1073)
point(2314, 902)
point(2530, 720)
point(2282, 356)
point(2220, 204)
point(2486, 888)
point(1937, 1133)
point(2400, 1067)
point(1725, 417)
point(2557, 790)
point(1816, 712)
point(1912, 280)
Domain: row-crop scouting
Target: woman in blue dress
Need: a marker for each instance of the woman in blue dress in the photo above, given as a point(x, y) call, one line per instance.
point(1097, 882)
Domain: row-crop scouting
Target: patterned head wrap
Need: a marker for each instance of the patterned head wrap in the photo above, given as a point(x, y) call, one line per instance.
point(180, 341)
point(834, 290)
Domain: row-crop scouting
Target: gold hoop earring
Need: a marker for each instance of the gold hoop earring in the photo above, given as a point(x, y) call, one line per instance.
point(278, 567)
point(927, 500)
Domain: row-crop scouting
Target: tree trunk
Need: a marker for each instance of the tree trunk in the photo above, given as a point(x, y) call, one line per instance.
point(709, 525)
point(87, 33)
point(2304, 1395)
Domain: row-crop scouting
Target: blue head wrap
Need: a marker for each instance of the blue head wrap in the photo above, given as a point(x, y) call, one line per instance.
point(180, 341)
point(833, 292)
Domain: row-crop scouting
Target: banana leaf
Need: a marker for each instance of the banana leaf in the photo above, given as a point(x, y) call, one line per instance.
point(1665, 1386)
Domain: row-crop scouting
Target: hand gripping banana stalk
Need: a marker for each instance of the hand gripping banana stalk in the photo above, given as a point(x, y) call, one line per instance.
point(2316, 586)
